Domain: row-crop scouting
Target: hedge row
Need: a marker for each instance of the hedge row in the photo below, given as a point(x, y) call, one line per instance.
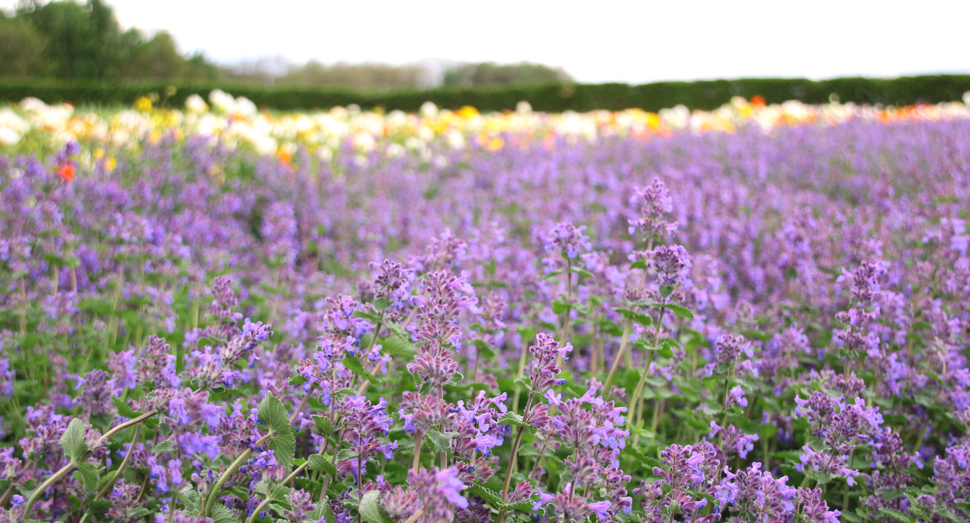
point(554, 98)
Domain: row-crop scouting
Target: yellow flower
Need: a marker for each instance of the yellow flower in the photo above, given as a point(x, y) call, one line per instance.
point(143, 104)
point(495, 144)
point(467, 112)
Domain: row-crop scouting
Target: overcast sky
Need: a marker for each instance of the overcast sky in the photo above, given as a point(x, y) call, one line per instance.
point(594, 41)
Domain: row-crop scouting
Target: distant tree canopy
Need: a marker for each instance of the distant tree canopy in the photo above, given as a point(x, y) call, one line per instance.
point(370, 77)
point(23, 50)
point(470, 75)
point(66, 39)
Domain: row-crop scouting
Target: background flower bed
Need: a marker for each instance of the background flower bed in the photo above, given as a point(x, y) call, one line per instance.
point(786, 314)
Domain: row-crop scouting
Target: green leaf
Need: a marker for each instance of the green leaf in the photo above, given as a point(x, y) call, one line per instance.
point(272, 413)
point(99, 507)
point(323, 511)
point(191, 498)
point(638, 317)
point(489, 495)
point(87, 475)
point(324, 425)
point(398, 347)
point(165, 446)
point(54, 259)
point(399, 331)
point(522, 506)
point(511, 418)
point(683, 312)
point(523, 382)
point(345, 454)
point(73, 441)
point(280, 494)
point(296, 379)
point(559, 307)
point(821, 478)
point(851, 517)
point(666, 290)
point(321, 464)
point(123, 408)
point(221, 514)
point(370, 508)
point(367, 316)
point(639, 264)
point(381, 304)
point(282, 442)
point(898, 515)
point(441, 441)
point(353, 363)
point(484, 351)
point(96, 305)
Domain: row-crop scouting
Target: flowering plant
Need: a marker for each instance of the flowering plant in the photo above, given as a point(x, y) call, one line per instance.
point(741, 326)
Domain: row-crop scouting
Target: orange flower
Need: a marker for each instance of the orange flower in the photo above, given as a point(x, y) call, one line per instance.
point(758, 100)
point(66, 171)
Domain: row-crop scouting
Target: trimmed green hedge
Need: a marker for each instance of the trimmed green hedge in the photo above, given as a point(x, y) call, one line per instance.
point(554, 98)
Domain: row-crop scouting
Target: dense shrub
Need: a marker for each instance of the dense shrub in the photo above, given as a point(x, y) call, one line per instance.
point(553, 97)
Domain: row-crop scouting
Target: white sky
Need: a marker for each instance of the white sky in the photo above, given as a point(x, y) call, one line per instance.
point(594, 41)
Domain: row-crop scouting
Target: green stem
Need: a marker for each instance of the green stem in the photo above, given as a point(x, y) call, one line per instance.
point(845, 495)
point(46, 485)
point(72, 465)
point(518, 389)
point(618, 357)
point(296, 471)
point(124, 462)
point(222, 479)
point(646, 368)
point(214, 493)
point(514, 456)
point(303, 402)
point(416, 460)
point(259, 508)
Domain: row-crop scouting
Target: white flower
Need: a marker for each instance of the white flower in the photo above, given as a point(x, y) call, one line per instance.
point(8, 136)
point(12, 120)
point(222, 102)
point(245, 107)
point(394, 150)
point(455, 139)
point(429, 110)
point(32, 104)
point(523, 107)
point(195, 104)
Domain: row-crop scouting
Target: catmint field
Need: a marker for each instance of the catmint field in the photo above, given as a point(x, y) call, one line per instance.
point(218, 314)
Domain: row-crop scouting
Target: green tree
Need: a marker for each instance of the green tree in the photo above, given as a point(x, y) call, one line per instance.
point(487, 73)
point(367, 77)
point(23, 50)
point(85, 40)
point(156, 59)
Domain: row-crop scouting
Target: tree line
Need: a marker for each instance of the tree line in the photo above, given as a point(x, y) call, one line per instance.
point(68, 40)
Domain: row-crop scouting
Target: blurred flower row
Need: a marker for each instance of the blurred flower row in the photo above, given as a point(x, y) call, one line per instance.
point(236, 122)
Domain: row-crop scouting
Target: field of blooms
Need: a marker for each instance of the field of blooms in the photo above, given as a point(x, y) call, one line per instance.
point(217, 314)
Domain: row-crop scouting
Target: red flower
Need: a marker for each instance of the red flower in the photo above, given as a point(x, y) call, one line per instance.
point(66, 170)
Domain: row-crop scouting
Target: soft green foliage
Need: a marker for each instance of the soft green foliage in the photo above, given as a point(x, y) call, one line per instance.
point(487, 73)
point(73, 441)
point(282, 441)
point(704, 95)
